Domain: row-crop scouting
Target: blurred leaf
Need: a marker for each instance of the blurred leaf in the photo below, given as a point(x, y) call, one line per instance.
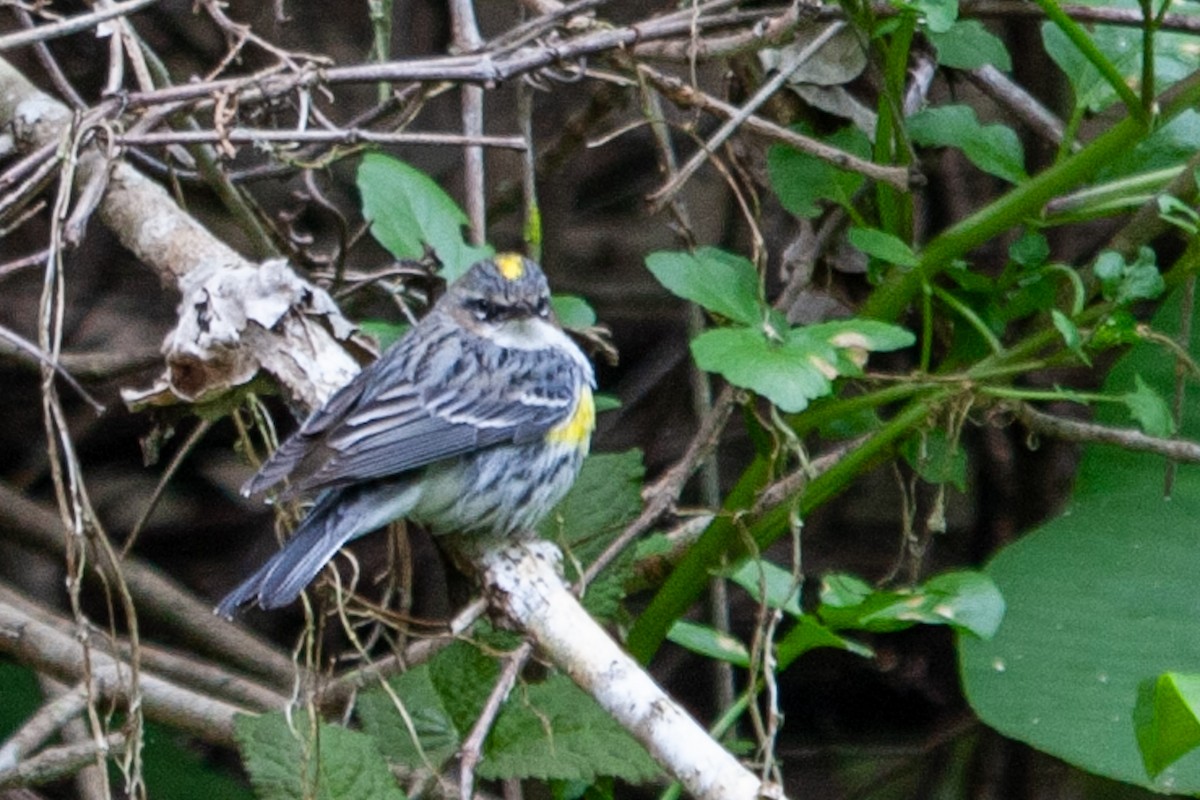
point(883, 246)
point(1149, 408)
point(572, 311)
point(408, 211)
point(553, 730)
point(724, 283)
point(1167, 719)
point(1097, 599)
point(1125, 283)
point(384, 332)
point(995, 149)
point(1117, 329)
point(965, 600)
point(1030, 250)
point(969, 45)
point(288, 765)
point(709, 642)
point(782, 591)
point(937, 15)
point(789, 374)
point(605, 498)
point(1070, 334)
point(809, 634)
point(801, 180)
point(936, 458)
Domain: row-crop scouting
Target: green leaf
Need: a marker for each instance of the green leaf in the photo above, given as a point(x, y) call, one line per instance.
point(883, 246)
point(287, 764)
point(463, 677)
point(995, 149)
point(938, 16)
point(789, 374)
point(1149, 409)
point(802, 366)
point(1031, 250)
point(936, 458)
point(969, 45)
point(1167, 720)
point(437, 738)
point(1097, 599)
point(709, 642)
point(572, 311)
point(809, 634)
point(801, 180)
point(386, 333)
point(966, 600)
point(554, 731)
point(724, 283)
point(1124, 283)
point(1070, 334)
point(781, 589)
point(408, 211)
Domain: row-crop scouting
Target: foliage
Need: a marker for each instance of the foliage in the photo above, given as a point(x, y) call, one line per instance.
point(950, 307)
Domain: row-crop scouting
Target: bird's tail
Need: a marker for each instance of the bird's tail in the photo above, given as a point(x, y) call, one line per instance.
point(338, 516)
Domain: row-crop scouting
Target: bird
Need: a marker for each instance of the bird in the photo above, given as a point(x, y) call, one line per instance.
point(476, 422)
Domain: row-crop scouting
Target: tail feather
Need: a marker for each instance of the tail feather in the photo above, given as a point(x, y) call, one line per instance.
point(339, 516)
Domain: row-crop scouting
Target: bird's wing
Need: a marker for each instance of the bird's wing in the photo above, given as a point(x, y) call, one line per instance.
point(382, 424)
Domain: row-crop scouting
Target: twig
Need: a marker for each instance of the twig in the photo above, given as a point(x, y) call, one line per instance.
point(76, 24)
point(738, 117)
point(20, 344)
point(472, 747)
point(349, 136)
point(1126, 438)
point(44, 647)
point(688, 96)
point(43, 724)
point(998, 86)
point(60, 762)
point(34, 525)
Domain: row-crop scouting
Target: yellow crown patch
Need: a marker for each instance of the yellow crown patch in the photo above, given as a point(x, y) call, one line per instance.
point(511, 265)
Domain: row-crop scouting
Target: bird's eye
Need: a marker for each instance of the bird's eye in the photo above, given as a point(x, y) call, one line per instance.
point(543, 307)
point(483, 310)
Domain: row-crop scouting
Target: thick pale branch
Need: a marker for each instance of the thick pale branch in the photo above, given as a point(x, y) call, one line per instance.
point(523, 581)
point(234, 317)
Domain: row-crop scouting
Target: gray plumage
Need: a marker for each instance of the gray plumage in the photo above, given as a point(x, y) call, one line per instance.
point(449, 427)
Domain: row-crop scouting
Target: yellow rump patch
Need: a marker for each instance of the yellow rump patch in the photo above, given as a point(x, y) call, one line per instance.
point(577, 429)
point(511, 265)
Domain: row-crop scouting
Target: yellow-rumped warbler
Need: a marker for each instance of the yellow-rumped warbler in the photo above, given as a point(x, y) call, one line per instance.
point(476, 421)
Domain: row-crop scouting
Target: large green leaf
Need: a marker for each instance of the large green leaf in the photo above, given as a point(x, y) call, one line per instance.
point(408, 211)
point(801, 364)
point(286, 762)
point(724, 283)
point(993, 148)
point(1100, 600)
point(801, 180)
point(969, 45)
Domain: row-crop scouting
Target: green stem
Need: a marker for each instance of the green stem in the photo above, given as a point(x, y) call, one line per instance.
point(1079, 37)
point(722, 538)
point(891, 299)
point(971, 317)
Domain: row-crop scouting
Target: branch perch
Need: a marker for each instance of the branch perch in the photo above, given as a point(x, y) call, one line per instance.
point(523, 581)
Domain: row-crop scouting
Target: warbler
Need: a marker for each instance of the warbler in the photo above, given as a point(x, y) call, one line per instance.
point(476, 421)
